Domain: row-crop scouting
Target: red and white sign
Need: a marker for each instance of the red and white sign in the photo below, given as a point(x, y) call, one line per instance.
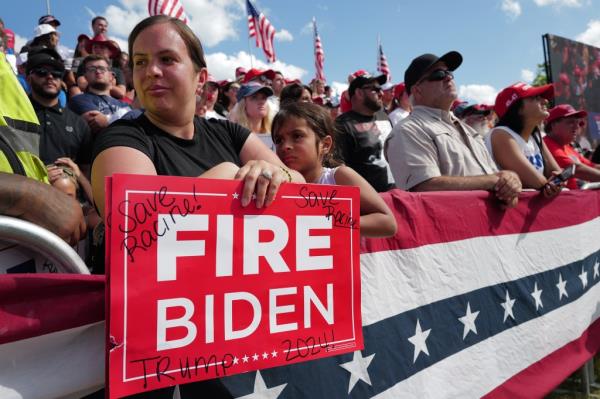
point(200, 287)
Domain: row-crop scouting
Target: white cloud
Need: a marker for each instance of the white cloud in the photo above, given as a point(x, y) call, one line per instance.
point(591, 34)
point(558, 3)
point(222, 66)
point(527, 75)
point(476, 93)
point(212, 20)
point(338, 88)
point(307, 29)
point(19, 42)
point(284, 36)
point(512, 8)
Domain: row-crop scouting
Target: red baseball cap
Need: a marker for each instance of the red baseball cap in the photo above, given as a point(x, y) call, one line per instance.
point(564, 111)
point(509, 95)
point(255, 73)
point(399, 90)
point(240, 71)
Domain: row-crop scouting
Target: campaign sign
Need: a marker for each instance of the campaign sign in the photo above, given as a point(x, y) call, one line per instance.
point(201, 287)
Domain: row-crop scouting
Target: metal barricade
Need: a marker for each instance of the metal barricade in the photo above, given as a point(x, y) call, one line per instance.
point(43, 242)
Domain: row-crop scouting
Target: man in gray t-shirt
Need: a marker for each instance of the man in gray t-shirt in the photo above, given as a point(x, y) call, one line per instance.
point(431, 150)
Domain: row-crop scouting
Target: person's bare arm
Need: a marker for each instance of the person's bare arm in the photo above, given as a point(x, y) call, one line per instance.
point(588, 173)
point(41, 204)
point(376, 218)
point(117, 160)
point(118, 91)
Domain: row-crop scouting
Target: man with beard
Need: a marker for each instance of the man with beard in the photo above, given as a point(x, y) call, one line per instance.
point(362, 131)
point(476, 116)
point(96, 105)
point(431, 150)
point(62, 132)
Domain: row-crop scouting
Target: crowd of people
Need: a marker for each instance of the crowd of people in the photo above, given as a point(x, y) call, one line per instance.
point(156, 110)
point(162, 112)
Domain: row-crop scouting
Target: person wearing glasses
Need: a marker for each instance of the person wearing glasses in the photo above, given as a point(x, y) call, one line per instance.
point(362, 132)
point(516, 142)
point(62, 132)
point(562, 126)
point(431, 150)
point(96, 105)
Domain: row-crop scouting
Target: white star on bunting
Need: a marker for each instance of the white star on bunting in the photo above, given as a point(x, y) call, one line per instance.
point(261, 391)
point(562, 287)
point(245, 358)
point(255, 357)
point(235, 195)
point(596, 271)
point(265, 355)
point(583, 277)
point(358, 369)
point(508, 307)
point(235, 360)
point(418, 340)
point(469, 321)
point(537, 296)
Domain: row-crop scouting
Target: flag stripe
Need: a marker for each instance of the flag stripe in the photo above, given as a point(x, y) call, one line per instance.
point(171, 8)
point(382, 65)
point(507, 257)
point(67, 363)
point(68, 301)
point(482, 368)
point(433, 217)
point(319, 55)
point(260, 28)
point(540, 378)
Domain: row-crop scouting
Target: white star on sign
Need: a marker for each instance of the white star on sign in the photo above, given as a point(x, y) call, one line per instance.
point(469, 321)
point(358, 369)
point(583, 277)
point(274, 353)
point(253, 196)
point(508, 307)
point(418, 340)
point(265, 355)
point(255, 357)
point(235, 195)
point(245, 358)
point(261, 391)
point(537, 296)
point(562, 287)
point(235, 360)
point(596, 271)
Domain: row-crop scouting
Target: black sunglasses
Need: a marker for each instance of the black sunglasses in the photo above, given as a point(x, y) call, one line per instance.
point(43, 72)
point(439, 74)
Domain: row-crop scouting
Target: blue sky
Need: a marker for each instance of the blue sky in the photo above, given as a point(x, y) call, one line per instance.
point(501, 40)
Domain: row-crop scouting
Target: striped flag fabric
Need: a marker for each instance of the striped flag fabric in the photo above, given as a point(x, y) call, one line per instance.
point(467, 300)
point(261, 29)
point(319, 54)
point(382, 64)
point(172, 8)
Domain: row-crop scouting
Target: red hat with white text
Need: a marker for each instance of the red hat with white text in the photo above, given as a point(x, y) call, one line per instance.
point(509, 95)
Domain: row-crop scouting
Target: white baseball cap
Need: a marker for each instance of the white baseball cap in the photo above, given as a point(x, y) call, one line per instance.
point(43, 29)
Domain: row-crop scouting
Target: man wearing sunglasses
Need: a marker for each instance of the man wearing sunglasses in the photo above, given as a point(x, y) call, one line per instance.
point(562, 126)
point(361, 132)
point(62, 132)
point(431, 150)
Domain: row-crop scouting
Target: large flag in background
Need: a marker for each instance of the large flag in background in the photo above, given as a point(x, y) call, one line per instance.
point(172, 8)
point(467, 301)
point(319, 54)
point(260, 28)
point(382, 64)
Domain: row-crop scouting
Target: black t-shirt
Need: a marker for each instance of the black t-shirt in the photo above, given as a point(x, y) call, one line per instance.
point(360, 139)
point(214, 141)
point(63, 134)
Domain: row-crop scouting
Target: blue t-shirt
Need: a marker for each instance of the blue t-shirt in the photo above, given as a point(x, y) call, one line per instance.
point(107, 105)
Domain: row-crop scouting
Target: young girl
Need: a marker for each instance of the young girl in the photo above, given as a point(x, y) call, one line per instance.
point(303, 137)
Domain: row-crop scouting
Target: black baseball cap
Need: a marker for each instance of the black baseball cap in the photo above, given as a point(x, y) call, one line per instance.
point(43, 56)
point(365, 79)
point(420, 65)
point(48, 19)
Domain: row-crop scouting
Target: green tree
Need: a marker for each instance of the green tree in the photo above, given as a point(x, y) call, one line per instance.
point(540, 75)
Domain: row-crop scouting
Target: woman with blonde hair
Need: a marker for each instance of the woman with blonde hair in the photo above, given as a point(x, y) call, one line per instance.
point(253, 112)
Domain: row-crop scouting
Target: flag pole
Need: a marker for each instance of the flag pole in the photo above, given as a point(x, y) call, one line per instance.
point(378, 47)
point(48, 7)
point(250, 52)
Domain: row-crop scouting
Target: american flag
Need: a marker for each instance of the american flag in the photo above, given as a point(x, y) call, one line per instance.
point(499, 304)
point(260, 28)
point(382, 65)
point(172, 8)
point(319, 55)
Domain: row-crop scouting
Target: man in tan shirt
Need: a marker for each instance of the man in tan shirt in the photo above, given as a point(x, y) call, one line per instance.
point(431, 150)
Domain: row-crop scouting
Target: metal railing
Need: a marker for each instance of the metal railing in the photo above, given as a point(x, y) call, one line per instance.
point(43, 242)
